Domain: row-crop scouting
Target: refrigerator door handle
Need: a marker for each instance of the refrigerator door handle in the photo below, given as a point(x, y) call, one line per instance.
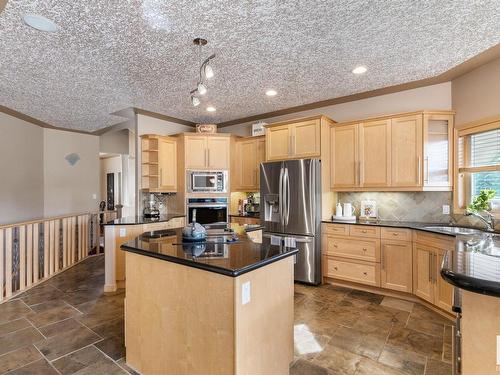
point(280, 198)
point(287, 195)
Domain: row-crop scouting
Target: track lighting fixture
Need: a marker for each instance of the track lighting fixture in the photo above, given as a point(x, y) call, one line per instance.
point(206, 72)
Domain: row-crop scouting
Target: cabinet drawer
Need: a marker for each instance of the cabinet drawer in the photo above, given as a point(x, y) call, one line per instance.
point(340, 229)
point(364, 231)
point(398, 234)
point(441, 241)
point(352, 248)
point(352, 270)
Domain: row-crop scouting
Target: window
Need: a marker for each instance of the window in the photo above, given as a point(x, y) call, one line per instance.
point(478, 159)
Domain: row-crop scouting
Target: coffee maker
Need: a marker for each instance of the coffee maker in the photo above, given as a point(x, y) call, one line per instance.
point(151, 207)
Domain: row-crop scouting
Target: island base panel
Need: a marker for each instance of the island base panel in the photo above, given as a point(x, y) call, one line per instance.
point(183, 320)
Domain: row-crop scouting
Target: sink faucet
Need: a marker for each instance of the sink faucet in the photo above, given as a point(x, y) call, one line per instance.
point(490, 221)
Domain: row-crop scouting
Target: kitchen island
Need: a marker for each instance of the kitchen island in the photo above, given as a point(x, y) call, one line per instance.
point(119, 231)
point(220, 307)
point(474, 270)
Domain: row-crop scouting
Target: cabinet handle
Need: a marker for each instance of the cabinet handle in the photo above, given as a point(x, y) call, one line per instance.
point(426, 165)
point(364, 248)
point(430, 267)
point(208, 153)
point(363, 231)
point(382, 259)
point(418, 170)
point(395, 234)
point(435, 268)
point(294, 146)
point(335, 245)
point(289, 145)
point(335, 268)
point(361, 174)
point(365, 273)
point(161, 183)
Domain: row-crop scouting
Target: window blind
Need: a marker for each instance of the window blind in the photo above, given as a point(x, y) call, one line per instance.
point(485, 148)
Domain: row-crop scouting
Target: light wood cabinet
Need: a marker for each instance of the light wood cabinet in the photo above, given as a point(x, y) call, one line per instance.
point(158, 163)
point(206, 152)
point(167, 164)
point(344, 142)
point(294, 140)
point(397, 259)
point(407, 152)
point(249, 153)
point(375, 153)
point(245, 220)
point(396, 265)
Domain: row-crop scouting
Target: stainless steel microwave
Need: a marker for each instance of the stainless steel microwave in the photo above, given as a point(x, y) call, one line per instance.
point(206, 181)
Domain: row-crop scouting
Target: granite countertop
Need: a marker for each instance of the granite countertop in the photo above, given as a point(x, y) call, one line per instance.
point(225, 258)
point(474, 265)
point(426, 227)
point(255, 215)
point(137, 220)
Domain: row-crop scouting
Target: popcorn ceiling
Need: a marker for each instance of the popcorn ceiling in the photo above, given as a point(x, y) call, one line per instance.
point(113, 54)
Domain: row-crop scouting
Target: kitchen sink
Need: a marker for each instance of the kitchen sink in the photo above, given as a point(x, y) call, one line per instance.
point(456, 230)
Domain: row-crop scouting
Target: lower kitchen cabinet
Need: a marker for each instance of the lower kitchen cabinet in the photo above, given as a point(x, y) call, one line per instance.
point(396, 266)
point(357, 271)
point(245, 220)
point(396, 259)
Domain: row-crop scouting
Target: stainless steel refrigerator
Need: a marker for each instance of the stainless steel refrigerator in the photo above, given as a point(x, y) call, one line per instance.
point(290, 211)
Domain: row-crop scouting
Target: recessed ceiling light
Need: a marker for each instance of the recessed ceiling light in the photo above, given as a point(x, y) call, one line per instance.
point(359, 70)
point(211, 109)
point(271, 92)
point(40, 23)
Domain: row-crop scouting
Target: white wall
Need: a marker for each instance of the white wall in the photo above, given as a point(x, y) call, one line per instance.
point(21, 170)
point(428, 97)
point(115, 142)
point(70, 189)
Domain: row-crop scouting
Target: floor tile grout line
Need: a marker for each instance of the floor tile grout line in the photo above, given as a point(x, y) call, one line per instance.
point(44, 357)
point(115, 362)
point(72, 352)
point(16, 330)
point(37, 329)
point(90, 329)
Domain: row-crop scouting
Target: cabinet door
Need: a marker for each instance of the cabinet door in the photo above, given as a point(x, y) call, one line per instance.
point(218, 152)
point(423, 285)
point(246, 159)
point(396, 266)
point(344, 164)
point(195, 150)
point(444, 290)
point(375, 153)
point(261, 157)
point(278, 142)
point(438, 130)
point(406, 151)
point(306, 137)
point(167, 164)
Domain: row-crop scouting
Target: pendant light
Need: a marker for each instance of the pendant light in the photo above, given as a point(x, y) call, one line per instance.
point(206, 72)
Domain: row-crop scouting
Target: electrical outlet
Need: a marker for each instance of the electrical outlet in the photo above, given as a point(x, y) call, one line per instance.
point(446, 209)
point(94, 196)
point(245, 293)
point(123, 232)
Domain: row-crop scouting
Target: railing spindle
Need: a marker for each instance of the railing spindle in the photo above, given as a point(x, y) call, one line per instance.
point(36, 248)
point(22, 257)
point(8, 262)
point(29, 254)
point(1, 264)
point(46, 247)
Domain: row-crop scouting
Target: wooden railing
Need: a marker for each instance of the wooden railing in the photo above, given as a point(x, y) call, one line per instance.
point(31, 252)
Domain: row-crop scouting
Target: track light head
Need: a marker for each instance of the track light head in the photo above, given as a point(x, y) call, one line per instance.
point(195, 101)
point(202, 89)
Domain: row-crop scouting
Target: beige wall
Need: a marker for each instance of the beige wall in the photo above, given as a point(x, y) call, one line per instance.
point(429, 97)
point(476, 95)
point(70, 189)
point(116, 142)
point(21, 170)
point(151, 125)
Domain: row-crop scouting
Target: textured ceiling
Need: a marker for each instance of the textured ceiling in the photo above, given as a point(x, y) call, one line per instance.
point(112, 54)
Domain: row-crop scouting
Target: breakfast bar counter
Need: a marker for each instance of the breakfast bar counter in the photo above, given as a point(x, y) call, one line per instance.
point(221, 306)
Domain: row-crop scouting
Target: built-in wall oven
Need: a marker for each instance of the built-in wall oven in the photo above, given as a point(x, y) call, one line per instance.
point(208, 210)
point(206, 181)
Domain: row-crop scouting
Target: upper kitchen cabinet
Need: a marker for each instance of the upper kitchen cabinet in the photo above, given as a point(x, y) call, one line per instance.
point(158, 163)
point(206, 151)
point(406, 152)
point(375, 153)
point(249, 153)
point(438, 138)
point(295, 139)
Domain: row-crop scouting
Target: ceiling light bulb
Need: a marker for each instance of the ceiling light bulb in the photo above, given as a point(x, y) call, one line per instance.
point(209, 72)
point(195, 101)
point(40, 23)
point(271, 92)
point(359, 70)
point(202, 90)
point(211, 109)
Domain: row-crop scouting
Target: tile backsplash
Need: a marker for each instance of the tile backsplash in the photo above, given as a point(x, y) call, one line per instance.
point(404, 206)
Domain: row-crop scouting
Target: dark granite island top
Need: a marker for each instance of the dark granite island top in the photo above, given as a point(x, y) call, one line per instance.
point(139, 220)
point(475, 264)
point(232, 254)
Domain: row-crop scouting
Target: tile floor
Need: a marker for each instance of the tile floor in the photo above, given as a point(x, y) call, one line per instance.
point(68, 326)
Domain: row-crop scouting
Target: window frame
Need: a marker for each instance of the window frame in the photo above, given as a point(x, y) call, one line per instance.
point(462, 184)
